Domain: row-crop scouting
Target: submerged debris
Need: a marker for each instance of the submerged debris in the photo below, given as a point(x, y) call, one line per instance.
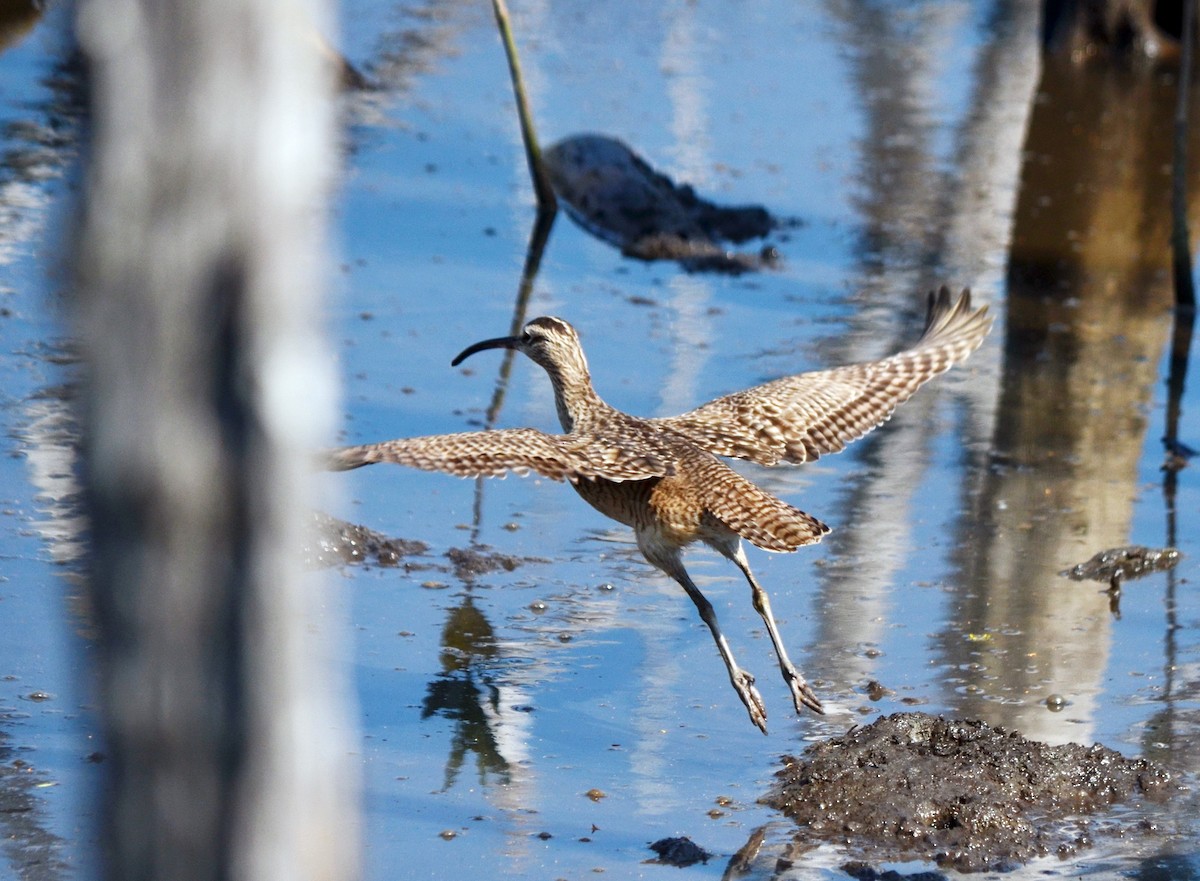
point(961, 793)
point(470, 563)
point(614, 194)
point(679, 852)
point(332, 542)
point(1118, 564)
point(864, 872)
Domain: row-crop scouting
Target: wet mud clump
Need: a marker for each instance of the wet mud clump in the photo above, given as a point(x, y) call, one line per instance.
point(334, 542)
point(681, 852)
point(960, 793)
point(470, 563)
point(1124, 563)
point(615, 195)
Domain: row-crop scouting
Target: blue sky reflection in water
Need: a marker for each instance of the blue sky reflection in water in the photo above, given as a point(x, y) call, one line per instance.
point(492, 704)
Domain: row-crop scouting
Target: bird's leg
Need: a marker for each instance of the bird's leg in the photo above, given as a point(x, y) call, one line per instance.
point(802, 694)
point(743, 681)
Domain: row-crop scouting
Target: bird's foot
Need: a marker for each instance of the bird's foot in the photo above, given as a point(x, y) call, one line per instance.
point(743, 684)
point(802, 694)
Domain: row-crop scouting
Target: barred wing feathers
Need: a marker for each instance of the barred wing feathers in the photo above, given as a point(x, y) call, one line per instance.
point(495, 453)
point(799, 418)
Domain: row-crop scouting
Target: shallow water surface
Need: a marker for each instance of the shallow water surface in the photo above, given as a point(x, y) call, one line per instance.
point(550, 715)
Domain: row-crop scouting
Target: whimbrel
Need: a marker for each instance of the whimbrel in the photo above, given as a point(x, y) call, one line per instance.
point(663, 478)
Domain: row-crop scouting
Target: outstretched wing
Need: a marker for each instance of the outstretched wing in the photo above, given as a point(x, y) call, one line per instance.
point(495, 453)
point(798, 418)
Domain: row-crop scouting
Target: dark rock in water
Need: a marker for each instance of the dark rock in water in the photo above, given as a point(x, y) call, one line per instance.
point(333, 542)
point(865, 872)
point(614, 194)
point(679, 852)
point(1121, 564)
point(961, 793)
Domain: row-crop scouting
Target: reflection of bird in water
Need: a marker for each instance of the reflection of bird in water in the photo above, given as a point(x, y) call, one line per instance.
point(662, 476)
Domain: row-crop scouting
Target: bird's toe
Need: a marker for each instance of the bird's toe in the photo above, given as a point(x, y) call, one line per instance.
point(743, 682)
point(803, 696)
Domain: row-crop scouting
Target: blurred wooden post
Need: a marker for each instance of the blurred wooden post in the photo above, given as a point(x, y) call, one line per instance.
point(1181, 240)
point(198, 268)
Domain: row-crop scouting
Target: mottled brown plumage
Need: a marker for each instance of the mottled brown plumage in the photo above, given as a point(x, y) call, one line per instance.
point(662, 477)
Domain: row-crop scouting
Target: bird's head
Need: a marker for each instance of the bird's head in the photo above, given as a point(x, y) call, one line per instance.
point(550, 342)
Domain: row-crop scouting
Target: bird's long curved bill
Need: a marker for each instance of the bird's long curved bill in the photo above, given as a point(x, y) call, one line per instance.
point(503, 342)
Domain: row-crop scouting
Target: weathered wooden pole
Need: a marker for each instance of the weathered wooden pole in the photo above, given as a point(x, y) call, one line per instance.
point(198, 267)
point(1181, 240)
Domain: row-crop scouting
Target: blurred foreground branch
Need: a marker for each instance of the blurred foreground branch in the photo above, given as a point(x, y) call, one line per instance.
point(197, 269)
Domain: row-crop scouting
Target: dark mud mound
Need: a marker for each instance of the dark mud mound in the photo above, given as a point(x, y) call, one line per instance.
point(960, 793)
point(334, 542)
point(614, 194)
point(470, 563)
point(1117, 565)
point(680, 852)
